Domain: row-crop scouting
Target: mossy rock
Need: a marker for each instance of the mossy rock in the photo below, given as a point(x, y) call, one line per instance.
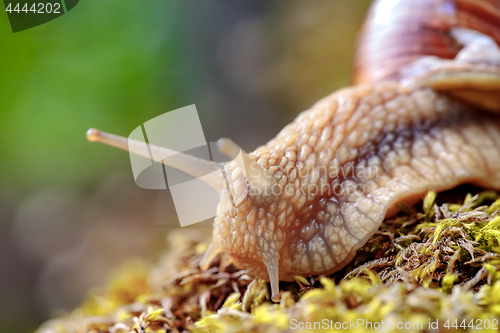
point(434, 268)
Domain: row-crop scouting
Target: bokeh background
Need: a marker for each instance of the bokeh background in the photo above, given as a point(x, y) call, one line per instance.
point(69, 209)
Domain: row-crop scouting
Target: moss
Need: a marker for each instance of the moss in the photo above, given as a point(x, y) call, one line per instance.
point(434, 265)
point(126, 284)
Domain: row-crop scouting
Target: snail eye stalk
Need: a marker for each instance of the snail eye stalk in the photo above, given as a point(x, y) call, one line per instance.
point(193, 166)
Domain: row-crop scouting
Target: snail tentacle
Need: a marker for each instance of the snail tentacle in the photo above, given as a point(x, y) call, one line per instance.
point(260, 180)
point(212, 251)
point(191, 165)
point(304, 203)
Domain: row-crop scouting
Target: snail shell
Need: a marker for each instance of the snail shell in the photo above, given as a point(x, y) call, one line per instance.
point(397, 33)
point(304, 203)
point(329, 202)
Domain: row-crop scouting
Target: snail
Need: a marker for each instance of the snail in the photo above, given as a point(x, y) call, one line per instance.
point(422, 115)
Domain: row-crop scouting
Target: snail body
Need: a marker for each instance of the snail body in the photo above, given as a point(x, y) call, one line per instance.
point(304, 203)
point(342, 167)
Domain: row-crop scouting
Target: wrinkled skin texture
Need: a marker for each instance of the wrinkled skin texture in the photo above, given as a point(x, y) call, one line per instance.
point(308, 200)
point(341, 167)
point(366, 148)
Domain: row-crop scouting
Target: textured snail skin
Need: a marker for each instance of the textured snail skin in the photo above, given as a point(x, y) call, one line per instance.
point(408, 127)
point(303, 204)
point(412, 140)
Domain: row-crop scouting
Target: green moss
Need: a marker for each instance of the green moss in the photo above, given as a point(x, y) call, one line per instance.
point(423, 266)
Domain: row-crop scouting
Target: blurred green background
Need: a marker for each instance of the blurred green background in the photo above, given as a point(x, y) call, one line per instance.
point(69, 209)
